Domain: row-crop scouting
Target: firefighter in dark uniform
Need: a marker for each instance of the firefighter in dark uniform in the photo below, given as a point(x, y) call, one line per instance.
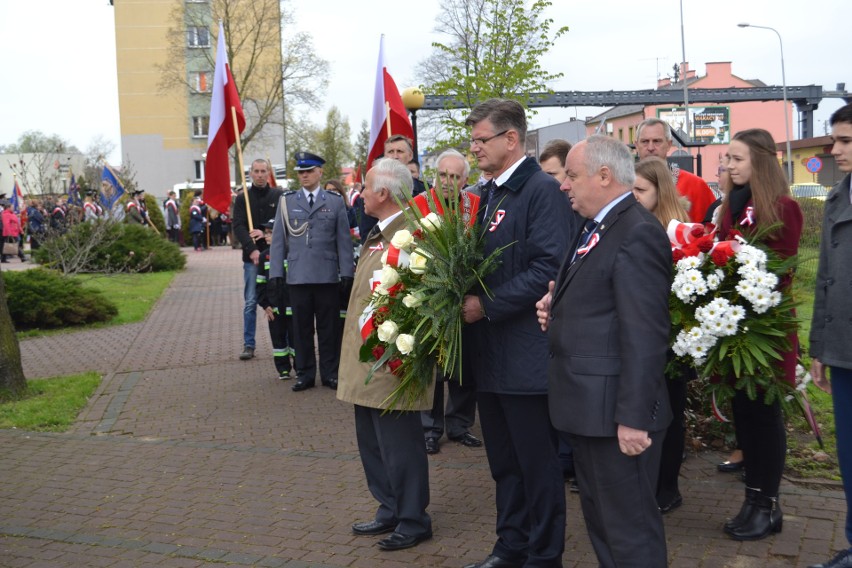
point(311, 232)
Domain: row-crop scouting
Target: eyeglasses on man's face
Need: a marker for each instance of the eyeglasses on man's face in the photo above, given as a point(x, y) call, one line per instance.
point(483, 141)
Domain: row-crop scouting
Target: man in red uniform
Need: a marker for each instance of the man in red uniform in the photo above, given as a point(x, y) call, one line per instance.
point(654, 138)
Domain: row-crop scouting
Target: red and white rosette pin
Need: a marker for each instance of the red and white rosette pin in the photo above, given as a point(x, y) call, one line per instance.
point(584, 250)
point(748, 220)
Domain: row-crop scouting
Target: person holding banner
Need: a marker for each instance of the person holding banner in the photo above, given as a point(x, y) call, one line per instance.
point(264, 203)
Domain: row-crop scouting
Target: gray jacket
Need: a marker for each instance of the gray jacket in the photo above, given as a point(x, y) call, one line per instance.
point(316, 242)
point(831, 327)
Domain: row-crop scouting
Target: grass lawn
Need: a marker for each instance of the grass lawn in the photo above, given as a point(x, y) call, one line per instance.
point(133, 294)
point(49, 405)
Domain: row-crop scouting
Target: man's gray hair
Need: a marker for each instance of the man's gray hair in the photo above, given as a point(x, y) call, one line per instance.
point(667, 130)
point(393, 176)
point(453, 153)
point(607, 151)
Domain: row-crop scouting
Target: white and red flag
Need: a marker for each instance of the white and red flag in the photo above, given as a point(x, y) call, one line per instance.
point(389, 114)
point(221, 134)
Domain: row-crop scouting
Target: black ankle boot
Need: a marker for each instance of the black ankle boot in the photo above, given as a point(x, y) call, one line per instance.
point(766, 518)
point(745, 511)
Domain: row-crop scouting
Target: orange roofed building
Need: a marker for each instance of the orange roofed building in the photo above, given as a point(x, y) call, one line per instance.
point(711, 124)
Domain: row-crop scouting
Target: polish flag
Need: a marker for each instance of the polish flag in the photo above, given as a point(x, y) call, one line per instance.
point(221, 135)
point(389, 114)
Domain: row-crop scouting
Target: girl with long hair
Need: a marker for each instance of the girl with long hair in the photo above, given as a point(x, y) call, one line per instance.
point(760, 203)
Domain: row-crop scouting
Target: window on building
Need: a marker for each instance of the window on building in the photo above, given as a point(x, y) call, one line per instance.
point(200, 126)
point(630, 134)
point(199, 170)
point(197, 36)
point(201, 81)
point(621, 134)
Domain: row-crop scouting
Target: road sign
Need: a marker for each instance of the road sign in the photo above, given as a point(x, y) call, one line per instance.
point(814, 165)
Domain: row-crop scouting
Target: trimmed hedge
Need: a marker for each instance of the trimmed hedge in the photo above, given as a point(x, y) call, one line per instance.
point(43, 299)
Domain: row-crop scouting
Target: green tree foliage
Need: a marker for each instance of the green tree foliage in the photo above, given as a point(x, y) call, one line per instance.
point(302, 135)
point(37, 142)
point(335, 144)
point(44, 299)
point(362, 147)
point(493, 49)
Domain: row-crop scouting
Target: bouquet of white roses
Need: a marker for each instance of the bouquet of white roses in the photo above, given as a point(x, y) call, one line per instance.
point(730, 318)
point(413, 320)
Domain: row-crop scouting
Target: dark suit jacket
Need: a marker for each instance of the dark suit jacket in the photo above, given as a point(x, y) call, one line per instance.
point(531, 215)
point(609, 332)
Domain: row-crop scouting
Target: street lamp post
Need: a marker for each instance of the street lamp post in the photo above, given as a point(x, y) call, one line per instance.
point(413, 99)
point(784, 94)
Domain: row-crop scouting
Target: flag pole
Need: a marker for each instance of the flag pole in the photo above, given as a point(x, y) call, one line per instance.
point(388, 112)
point(242, 169)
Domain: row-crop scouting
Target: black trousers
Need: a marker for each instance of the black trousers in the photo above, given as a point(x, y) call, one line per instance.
point(397, 469)
point(617, 497)
point(318, 303)
point(460, 412)
point(760, 431)
point(673, 444)
point(521, 446)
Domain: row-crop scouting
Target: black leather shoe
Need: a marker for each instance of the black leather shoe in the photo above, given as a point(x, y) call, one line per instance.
point(468, 439)
point(432, 446)
point(842, 560)
point(399, 541)
point(671, 505)
point(495, 562)
point(371, 528)
point(303, 384)
point(332, 384)
point(730, 467)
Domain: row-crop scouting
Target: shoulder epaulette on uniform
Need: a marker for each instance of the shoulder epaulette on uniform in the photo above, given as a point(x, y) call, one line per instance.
point(290, 191)
point(334, 193)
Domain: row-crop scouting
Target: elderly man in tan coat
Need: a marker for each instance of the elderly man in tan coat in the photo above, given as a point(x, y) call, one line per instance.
point(390, 444)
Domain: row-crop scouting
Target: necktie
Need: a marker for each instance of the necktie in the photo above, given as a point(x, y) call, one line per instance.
point(588, 229)
point(311, 200)
point(491, 188)
point(373, 232)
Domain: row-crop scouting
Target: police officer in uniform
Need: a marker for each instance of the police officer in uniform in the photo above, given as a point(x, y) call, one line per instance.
point(312, 233)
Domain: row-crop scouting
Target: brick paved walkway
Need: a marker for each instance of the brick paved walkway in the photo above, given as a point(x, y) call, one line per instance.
point(187, 457)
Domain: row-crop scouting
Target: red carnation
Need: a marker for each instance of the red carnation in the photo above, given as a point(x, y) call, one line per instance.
point(705, 244)
point(394, 365)
point(720, 256)
point(697, 231)
point(677, 255)
point(418, 234)
point(378, 351)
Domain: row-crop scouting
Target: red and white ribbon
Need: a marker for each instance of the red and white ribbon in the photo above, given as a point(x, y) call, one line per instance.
point(593, 240)
point(499, 215)
point(376, 247)
point(684, 233)
point(749, 217)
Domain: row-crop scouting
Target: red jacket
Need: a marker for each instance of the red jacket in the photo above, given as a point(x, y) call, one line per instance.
point(11, 224)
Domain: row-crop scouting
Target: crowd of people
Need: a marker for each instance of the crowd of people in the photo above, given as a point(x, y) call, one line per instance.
point(567, 355)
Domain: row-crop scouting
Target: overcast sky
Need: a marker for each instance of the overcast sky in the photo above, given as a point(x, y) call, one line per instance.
point(59, 55)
